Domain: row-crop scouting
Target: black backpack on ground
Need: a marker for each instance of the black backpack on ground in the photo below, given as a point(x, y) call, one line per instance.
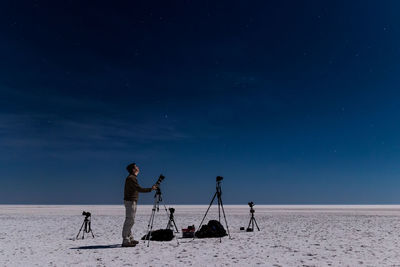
point(160, 235)
point(212, 229)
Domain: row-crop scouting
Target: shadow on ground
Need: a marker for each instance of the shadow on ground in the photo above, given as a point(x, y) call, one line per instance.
point(98, 247)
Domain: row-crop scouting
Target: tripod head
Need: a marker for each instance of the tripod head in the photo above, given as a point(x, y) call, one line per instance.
point(158, 191)
point(158, 197)
point(251, 205)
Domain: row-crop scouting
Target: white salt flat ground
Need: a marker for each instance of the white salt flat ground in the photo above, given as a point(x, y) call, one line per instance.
point(289, 236)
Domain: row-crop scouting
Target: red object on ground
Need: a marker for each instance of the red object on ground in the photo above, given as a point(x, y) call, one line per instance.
point(188, 232)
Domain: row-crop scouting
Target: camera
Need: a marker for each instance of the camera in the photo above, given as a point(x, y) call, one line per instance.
point(171, 210)
point(219, 178)
point(86, 213)
point(160, 179)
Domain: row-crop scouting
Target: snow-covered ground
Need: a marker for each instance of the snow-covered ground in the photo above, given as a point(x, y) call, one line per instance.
point(289, 236)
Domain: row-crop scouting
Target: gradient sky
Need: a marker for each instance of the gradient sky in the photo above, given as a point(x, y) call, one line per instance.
point(293, 102)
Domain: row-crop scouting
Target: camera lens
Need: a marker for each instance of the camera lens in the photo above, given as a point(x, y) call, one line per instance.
point(87, 214)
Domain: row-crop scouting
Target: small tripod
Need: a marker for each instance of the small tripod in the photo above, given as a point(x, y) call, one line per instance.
point(86, 225)
point(252, 219)
point(156, 207)
point(171, 222)
point(217, 194)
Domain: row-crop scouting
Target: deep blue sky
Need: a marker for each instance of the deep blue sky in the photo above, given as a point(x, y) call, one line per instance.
point(293, 102)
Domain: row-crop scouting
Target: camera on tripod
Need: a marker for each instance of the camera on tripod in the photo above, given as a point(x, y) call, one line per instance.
point(252, 219)
point(214, 228)
point(86, 213)
point(86, 225)
point(160, 234)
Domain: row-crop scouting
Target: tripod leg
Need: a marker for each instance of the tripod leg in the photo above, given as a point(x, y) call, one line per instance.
point(168, 215)
point(219, 207)
point(176, 237)
point(226, 222)
point(256, 224)
point(80, 230)
point(173, 222)
point(169, 226)
point(90, 229)
point(151, 219)
point(249, 223)
point(212, 200)
point(151, 227)
point(156, 205)
point(176, 228)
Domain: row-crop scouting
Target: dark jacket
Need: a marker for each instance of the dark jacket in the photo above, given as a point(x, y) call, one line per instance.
point(132, 188)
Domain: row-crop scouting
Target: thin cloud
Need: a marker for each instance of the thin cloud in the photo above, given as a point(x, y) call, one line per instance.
point(51, 132)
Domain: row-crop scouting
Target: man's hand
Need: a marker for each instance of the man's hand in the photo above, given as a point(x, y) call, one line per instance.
point(154, 187)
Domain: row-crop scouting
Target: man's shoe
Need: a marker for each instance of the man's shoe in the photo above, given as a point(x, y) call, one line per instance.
point(128, 244)
point(133, 240)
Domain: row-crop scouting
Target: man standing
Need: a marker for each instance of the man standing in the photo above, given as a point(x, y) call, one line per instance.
point(131, 195)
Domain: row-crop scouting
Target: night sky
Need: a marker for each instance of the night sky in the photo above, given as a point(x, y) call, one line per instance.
point(293, 102)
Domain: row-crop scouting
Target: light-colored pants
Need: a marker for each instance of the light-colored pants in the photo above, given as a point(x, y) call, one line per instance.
point(130, 211)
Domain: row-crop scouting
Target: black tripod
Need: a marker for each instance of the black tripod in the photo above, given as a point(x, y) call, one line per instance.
point(156, 207)
point(86, 225)
point(252, 219)
point(217, 194)
point(171, 222)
